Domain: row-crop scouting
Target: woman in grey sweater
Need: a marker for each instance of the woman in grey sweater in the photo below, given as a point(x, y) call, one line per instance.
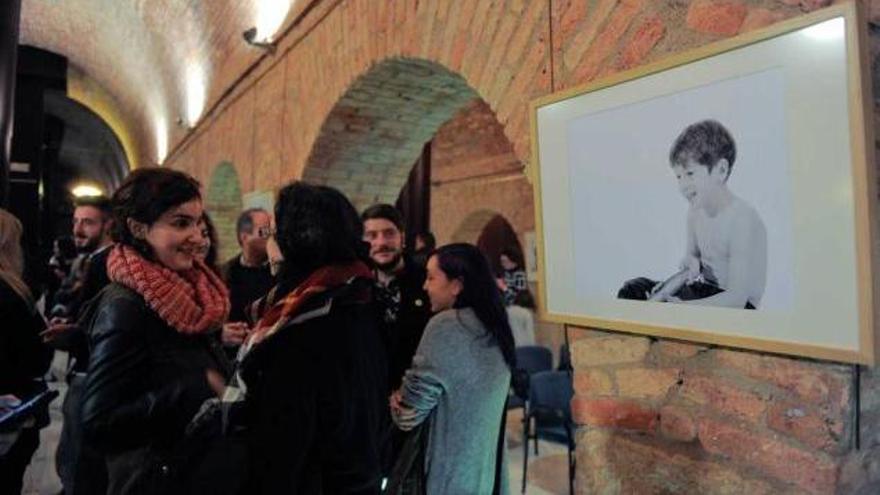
point(460, 376)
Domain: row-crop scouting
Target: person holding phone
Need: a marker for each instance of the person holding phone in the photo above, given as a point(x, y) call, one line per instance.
point(23, 357)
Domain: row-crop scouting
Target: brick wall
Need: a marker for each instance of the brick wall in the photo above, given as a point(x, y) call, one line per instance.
point(476, 175)
point(351, 97)
point(672, 417)
point(223, 203)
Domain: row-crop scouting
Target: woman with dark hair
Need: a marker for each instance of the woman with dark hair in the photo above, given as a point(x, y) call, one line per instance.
point(23, 357)
point(460, 376)
point(314, 367)
point(153, 362)
point(208, 251)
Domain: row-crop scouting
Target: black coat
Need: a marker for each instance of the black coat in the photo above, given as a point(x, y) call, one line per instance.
point(23, 357)
point(145, 382)
point(316, 402)
point(404, 334)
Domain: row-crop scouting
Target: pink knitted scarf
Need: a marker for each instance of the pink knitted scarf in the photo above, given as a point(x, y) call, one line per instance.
point(192, 301)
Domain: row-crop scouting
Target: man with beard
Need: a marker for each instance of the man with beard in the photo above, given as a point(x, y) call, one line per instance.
point(80, 469)
point(402, 303)
point(401, 299)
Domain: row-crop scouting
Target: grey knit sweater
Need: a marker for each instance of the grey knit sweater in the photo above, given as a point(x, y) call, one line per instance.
point(458, 382)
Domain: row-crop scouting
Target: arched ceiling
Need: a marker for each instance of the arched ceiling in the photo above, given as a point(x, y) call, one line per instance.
point(163, 61)
point(89, 151)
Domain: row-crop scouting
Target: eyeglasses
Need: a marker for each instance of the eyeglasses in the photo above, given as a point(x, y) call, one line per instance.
point(266, 232)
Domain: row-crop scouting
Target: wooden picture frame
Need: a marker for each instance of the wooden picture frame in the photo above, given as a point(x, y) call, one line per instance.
point(785, 224)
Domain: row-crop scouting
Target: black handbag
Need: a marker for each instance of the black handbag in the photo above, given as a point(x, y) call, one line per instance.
point(408, 475)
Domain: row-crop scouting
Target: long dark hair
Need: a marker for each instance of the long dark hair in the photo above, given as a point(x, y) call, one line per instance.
point(213, 247)
point(479, 292)
point(315, 226)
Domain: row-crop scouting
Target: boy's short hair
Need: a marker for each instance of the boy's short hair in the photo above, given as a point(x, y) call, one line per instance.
point(705, 142)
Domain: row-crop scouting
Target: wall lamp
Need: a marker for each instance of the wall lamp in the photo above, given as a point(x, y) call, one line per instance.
point(250, 36)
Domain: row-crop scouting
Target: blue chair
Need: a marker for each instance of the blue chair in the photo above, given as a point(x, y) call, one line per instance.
point(548, 417)
point(530, 359)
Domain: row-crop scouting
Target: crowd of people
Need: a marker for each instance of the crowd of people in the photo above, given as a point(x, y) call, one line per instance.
point(321, 359)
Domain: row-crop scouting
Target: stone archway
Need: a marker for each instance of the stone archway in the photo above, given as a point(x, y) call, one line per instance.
point(472, 225)
point(496, 236)
point(490, 231)
point(223, 203)
point(376, 131)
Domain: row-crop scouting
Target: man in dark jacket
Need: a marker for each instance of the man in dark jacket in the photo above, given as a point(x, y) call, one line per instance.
point(403, 305)
point(81, 470)
point(247, 275)
point(402, 301)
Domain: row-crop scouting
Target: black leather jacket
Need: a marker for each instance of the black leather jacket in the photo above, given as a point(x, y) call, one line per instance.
point(145, 383)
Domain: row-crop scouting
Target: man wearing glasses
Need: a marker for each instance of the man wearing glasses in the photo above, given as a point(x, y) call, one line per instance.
point(247, 274)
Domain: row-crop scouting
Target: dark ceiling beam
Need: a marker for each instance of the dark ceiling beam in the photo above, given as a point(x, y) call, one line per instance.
point(10, 17)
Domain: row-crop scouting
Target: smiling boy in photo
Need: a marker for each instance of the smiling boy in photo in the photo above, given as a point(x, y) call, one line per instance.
point(725, 261)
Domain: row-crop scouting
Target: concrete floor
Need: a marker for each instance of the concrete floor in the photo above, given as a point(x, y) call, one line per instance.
point(40, 477)
point(547, 474)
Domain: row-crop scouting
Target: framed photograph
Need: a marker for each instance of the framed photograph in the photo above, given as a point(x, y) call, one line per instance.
point(723, 196)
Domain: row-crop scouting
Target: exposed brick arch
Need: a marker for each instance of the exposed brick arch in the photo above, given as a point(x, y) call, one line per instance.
point(223, 203)
point(497, 236)
point(472, 226)
point(375, 132)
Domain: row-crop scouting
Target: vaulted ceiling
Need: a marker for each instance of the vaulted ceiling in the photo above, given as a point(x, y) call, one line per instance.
point(151, 68)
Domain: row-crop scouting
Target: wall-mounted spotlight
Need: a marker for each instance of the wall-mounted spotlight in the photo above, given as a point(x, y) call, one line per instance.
point(250, 36)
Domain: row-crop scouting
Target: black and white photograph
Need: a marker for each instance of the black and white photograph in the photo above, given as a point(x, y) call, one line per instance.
point(694, 208)
point(717, 197)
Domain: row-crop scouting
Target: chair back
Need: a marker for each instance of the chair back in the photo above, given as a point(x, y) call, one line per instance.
point(530, 359)
point(551, 392)
point(534, 358)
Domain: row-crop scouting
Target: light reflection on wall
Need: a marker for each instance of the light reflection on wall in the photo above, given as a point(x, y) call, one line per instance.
point(196, 89)
point(161, 139)
point(270, 17)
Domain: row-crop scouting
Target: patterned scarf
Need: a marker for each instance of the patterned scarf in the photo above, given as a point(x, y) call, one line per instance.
point(193, 302)
point(319, 281)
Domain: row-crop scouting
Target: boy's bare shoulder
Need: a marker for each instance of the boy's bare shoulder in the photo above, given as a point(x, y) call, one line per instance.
point(745, 215)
